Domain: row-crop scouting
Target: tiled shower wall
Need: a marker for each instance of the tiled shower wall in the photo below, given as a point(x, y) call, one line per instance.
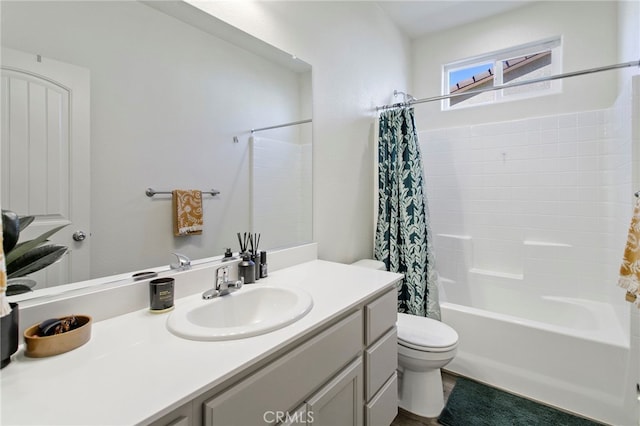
point(541, 202)
point(281, 192)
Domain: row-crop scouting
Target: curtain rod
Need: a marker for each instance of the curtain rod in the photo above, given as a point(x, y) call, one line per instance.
point(507, 86)
point(293, 123)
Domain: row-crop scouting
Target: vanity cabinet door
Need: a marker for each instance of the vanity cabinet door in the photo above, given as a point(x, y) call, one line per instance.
point(339, 402)
point(284, 383)
point(298, 417)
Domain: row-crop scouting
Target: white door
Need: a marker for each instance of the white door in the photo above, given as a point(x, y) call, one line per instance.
point(45, 156)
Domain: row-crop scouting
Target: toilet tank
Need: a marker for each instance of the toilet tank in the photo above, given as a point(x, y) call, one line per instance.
point(371, 264)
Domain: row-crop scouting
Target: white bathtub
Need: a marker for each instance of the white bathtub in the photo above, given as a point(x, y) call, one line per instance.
point(569, 353)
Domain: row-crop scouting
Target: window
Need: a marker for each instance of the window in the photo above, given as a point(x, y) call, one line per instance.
point(469, 77)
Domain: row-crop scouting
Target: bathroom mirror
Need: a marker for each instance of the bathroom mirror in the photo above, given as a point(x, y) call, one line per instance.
point(173, 94)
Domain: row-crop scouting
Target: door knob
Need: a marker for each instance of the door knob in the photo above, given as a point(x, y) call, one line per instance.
point(79, 236)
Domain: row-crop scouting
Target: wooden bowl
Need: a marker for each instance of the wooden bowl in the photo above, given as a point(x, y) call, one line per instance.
point(40, 347)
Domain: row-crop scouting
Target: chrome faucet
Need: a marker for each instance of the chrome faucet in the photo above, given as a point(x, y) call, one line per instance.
point(223, 285)
point(183, 264)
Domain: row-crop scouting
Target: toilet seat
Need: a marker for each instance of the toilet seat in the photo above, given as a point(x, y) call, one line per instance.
point(425, 348)
point(425, 334)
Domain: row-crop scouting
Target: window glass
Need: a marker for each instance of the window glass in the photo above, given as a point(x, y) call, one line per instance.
point(529, 67)
point(468, 79)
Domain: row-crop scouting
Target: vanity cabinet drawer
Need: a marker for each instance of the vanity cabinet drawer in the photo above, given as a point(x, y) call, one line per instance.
point(178, 417)
point(180, 421)
point(381, 361)
point(285, 382)
point(383, 408)
point(380, 315)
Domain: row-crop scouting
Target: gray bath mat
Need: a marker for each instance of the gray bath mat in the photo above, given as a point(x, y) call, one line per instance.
point(474, 404)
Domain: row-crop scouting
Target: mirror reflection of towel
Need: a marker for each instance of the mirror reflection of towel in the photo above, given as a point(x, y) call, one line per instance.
point(187, 212)
point(630, 267)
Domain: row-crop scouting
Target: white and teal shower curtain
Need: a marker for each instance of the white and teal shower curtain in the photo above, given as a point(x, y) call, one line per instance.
point(403, 236)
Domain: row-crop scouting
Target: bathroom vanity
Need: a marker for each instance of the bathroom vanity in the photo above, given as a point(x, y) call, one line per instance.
point(335, 365)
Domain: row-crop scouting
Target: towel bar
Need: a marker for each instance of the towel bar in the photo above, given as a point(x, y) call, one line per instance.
point(151, 192)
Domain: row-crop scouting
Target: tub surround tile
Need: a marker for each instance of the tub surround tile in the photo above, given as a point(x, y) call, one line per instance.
point(561, 178)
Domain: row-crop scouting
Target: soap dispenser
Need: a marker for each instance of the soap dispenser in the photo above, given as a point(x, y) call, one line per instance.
point(228, 256)
point(246, 269)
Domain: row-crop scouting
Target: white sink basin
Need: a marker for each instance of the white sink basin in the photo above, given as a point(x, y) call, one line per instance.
point(250, 311)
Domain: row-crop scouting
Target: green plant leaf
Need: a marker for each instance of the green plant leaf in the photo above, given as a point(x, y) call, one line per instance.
point(22, 248)
point(10, 230)
point(14, 289)
point(25, 221)
point(35, 259)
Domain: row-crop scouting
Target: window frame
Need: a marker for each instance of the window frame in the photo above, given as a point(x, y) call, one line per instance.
point(553, 44)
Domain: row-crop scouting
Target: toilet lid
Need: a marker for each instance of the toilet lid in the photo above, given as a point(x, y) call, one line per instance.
point(425, 332)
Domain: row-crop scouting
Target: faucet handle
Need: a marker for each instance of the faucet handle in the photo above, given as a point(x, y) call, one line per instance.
point(222, 277)
point(222, 280)
point(183, 262)
point(223, 285)
point(237, 284)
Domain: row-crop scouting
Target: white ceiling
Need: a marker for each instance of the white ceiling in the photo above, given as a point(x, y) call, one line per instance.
point(418, 18)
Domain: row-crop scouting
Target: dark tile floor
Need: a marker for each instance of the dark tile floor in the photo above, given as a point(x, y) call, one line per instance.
point(405, 418)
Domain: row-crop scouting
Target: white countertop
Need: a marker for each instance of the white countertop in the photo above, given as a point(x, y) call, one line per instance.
point(133, 370)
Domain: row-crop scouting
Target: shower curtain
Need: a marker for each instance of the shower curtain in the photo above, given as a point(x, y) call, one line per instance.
point(403, 236)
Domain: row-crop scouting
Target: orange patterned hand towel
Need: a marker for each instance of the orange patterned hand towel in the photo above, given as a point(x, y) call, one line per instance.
point(630, 268)
point(187, 212)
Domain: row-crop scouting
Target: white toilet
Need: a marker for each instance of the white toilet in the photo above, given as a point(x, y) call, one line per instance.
point(424, 346)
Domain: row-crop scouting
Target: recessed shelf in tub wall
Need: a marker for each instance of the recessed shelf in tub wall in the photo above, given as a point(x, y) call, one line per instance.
point(455, 260)
point(542, 254)
point(496, 274)
point(454, 256)
point(545, 244)
point(458, 237)
point(455, 243)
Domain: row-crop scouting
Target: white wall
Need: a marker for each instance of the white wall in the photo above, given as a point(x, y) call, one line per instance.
point(359, 57)
point(166, 101)
point(628, 38)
